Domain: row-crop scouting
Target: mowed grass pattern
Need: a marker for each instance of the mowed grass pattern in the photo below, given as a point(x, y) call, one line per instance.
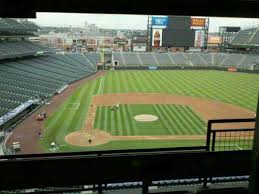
point(236, 88)
point(172, 120)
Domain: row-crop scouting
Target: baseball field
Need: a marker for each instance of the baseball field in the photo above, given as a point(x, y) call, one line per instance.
point(148, 109)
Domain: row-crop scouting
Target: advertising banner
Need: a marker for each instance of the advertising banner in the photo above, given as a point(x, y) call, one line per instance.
point(159, 21)
point(152, 67)
point(157, 37)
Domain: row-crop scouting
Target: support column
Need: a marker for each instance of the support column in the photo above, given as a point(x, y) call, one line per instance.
point(254, 179)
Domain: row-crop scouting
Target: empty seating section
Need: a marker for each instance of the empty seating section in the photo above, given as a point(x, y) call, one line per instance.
point(25, 79)
point(30, 25)
point(188, 59)
point(64, 62)
point(195, 59)
point(30, 45)
point(17, 46)
point(243, 36)
point(4, 26)
point(232, 60)
point(179, 59)
point(12, 49)
point(38, 45)
point(15, 24)
point(119, 58)
point(147, 58)
point(69, 60)
point(131, 59)
point(255, 38)
point(94, 58)
point(82, 59)
point(163, 58)
point(53, 63)
point(5, 50)
point(218, 58)
point(207, 58)
point(250, 60)
point(50, 70)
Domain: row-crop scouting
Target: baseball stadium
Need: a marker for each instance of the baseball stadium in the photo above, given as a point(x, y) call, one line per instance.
point(52, 102)
point(125, 111)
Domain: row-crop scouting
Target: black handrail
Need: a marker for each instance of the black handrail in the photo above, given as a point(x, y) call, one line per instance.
point(213, 131)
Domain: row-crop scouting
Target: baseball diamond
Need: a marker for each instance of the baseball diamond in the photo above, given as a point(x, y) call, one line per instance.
point(189, 97)
point(97, 113)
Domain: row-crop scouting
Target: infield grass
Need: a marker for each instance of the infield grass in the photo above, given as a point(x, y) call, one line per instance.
point(172, 120)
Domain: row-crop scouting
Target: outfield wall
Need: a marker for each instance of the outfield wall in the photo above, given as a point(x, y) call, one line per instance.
point(184, 67)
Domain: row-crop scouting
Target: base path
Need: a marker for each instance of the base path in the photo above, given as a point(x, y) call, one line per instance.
point(207, 109)
point(160, 137)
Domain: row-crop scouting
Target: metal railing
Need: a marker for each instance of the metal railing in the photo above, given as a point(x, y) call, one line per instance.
point(238, 138)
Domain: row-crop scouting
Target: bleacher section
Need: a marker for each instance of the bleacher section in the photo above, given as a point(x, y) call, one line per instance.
point(185, 59)
point(81, 58)
point(247, 37)
point(4, 26)
point(130, 59)
point(11, 49)
point(12, 25)
point(232, 60)
point(195, 59)
point(147, 58)
point(29, 78)
point(94, 58)
point(163, 58)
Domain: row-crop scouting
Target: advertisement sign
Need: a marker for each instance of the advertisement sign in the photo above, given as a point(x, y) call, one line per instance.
point(138, 48)
point(198, 22)
point(139, 39)
point(152, 67)
point(157, 37)
point(159, 21)
point(231, 69)
point(120, 41)
point(214, 39)
point(199, 38)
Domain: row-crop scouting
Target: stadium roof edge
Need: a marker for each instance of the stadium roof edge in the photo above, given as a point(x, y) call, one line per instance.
point(231, 8)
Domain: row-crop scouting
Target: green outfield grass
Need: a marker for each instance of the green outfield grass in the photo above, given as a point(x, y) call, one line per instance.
point(172, 120)
point(235, 88)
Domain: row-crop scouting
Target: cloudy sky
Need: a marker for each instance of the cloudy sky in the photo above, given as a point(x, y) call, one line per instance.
point(125, 21)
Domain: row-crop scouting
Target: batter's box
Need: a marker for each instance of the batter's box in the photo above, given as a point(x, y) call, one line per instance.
point(72, 106)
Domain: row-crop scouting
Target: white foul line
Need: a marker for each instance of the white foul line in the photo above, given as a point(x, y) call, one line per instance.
point(238, 147)
point(100, 84)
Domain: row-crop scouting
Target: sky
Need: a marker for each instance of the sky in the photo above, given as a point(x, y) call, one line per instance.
point(134, 22)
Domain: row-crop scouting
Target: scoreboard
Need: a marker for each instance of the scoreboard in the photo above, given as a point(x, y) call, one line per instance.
point(198, 22)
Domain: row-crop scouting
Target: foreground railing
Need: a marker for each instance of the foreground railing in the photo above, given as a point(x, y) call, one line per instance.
point(216, 162)
point(237, 138)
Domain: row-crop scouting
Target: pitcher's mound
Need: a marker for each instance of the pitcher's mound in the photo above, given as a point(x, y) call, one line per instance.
point(145, 118)
point(81, 138)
